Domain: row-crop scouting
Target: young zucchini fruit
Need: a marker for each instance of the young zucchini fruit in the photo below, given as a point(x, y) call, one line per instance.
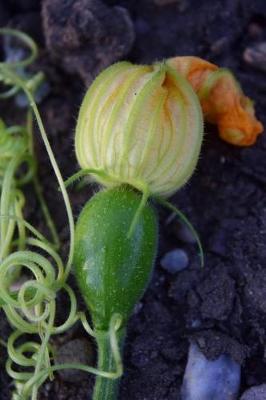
point(113, 268)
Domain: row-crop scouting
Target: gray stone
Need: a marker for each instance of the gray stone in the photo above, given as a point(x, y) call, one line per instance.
point(255, 393)
point(210, 379)
point(175, 261)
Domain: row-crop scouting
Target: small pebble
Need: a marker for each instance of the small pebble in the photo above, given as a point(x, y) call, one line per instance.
point(175, 261)
point(256, 56)
point(255, 393)
point(210, 380)
point(78, 351)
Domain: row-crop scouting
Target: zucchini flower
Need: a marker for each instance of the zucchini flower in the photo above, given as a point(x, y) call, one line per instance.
point(140, 125)
point(222, 99)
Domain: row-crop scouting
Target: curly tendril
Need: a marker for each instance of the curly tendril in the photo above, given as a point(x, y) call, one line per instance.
point(31, 305)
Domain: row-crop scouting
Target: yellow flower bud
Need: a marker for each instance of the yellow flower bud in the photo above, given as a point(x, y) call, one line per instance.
point(140, 125)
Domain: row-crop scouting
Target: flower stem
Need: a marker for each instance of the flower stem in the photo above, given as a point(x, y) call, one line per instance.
point(106, 388)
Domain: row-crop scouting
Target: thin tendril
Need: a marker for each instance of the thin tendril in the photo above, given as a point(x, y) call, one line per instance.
point(29, 43)
point(115, 324)
point(38, 189)
point(30, 306)
point(57, 172)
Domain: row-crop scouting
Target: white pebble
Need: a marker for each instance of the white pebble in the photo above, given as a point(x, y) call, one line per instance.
point(210, 379)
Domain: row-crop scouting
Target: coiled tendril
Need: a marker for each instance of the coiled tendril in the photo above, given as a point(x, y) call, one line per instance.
point(30, 306)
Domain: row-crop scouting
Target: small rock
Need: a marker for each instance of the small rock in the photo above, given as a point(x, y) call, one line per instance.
point(256, 56)
point(255, 393)
point(175, 261)
point(78, 351)
point(209, 380)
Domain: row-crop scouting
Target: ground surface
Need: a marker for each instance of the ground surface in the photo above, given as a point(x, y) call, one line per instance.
point(223, 306)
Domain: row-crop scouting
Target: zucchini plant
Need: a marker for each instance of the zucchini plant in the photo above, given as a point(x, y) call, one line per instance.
point(139, 135)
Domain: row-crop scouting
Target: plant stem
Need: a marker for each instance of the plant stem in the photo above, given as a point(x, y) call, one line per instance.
point(106, 388)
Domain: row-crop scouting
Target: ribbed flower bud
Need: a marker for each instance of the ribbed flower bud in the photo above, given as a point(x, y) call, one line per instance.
point(140, 125)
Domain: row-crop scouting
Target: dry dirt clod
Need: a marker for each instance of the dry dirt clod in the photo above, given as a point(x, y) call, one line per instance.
point(86, 36)
point(75, 351)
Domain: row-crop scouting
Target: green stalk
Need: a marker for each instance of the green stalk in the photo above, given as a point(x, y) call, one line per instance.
point(106, 388)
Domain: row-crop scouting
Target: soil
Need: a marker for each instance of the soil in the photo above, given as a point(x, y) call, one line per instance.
point(222, 306)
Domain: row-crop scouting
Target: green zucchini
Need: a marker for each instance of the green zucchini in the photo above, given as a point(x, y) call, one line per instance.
point(113, 268)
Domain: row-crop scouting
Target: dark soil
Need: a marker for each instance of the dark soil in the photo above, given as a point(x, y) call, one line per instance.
point(223, 306)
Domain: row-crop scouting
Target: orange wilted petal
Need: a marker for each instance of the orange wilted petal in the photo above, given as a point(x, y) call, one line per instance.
point(222, 100)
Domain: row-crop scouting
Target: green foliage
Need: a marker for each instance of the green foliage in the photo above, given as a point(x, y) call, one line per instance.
point(30, 304)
